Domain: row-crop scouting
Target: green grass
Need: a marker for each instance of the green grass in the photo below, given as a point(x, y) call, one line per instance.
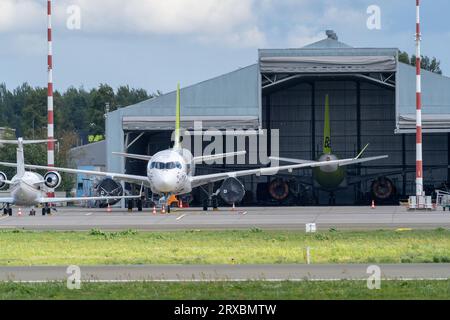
point(21, 248)
point(352, 290)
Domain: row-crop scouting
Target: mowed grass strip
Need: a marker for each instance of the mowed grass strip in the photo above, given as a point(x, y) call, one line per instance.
point(338, 290)
point(23, 248)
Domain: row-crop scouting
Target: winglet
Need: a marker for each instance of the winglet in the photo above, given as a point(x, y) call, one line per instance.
point(362, 151)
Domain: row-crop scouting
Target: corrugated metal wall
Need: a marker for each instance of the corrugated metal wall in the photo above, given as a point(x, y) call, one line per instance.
point(292, 113)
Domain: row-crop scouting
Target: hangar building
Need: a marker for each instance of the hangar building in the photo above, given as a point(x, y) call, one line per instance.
point(372, 100)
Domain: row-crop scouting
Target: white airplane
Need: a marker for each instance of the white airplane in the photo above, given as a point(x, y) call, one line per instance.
point(29, 189)
point(172, 172)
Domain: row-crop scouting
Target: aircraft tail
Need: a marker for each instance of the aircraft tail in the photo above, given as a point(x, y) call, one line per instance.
point(20, 156)
point(327, 128)
point(177, 144)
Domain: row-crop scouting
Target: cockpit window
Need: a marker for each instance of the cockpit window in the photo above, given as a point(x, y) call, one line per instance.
point(165, 166)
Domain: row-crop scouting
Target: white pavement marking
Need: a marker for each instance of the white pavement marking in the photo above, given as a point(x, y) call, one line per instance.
point(181, 217)
point(89, 214)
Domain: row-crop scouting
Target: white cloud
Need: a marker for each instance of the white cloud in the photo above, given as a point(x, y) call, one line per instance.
point(302, 36)
point(20, 15)
point(315, 22)
point(230, 21)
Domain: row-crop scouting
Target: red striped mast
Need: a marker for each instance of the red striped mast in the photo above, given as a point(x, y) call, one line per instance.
point(419, 159)
point(50, 127)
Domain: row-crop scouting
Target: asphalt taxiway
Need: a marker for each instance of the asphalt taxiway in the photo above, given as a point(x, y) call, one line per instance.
point(268, 218)
point(182, 273)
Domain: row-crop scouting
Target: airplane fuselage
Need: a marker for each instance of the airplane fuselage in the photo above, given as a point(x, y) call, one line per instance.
point(26, 190)
point(329, 177)
point(169, 172)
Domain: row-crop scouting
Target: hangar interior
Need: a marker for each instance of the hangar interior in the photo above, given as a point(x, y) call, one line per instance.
point(372, 101)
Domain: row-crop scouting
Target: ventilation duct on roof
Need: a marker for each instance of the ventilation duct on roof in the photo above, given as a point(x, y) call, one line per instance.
point(331, 35)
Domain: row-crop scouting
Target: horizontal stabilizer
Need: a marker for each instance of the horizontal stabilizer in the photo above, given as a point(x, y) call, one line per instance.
point(133, 156)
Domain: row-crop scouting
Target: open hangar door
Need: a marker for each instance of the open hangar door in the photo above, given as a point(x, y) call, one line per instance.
point(361, 112)
point(153, 137)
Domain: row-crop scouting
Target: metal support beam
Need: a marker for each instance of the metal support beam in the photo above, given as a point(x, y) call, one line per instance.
point(127, 146)
point(358, 128)
point(313, 120)
point(269, 127)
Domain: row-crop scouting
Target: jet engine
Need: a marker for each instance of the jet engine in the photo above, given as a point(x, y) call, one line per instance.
point(279, 189)
point(52, 179)
point(383, 188)
point(232, 191)
point(3, 177)
point(109, 188)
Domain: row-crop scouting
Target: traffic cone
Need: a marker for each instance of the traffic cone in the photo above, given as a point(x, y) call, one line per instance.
point(181, 204)
point(109, 210)
point(234, 207)
point(373, 204)
point(163, 210)
point(20, 212)
point(154, 210)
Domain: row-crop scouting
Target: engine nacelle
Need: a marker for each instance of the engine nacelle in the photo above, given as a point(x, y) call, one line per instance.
point(52, 179)
point(383, 188)
point(279, 190)
point(232, 191)
point(3, 177)
point(109, 188)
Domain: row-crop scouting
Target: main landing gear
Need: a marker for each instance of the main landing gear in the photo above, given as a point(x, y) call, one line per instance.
point(46, 210)
point(211, 198)
point(7, 210)
point(130, 205)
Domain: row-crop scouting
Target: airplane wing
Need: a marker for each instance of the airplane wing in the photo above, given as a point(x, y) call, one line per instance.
point(119, 176)
point(6, 200)
point(133, 156)
point(204, 179)
point(77, 199)
point(218, 156)
point(299, 161)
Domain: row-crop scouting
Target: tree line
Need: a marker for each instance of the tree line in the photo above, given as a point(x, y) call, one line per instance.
point(426, 63)
point(79, 113)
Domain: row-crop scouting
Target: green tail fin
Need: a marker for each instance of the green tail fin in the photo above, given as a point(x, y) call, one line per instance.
point(327, 129)
point(177, 120)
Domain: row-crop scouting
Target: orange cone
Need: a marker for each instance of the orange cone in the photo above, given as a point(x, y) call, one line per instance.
point(109, 210)
point(154, 210)
point(181, 204)
point(163, 210)
point(373, 204)
point(20, 212)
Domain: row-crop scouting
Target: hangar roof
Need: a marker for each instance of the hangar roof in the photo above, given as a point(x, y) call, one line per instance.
point(230, 98)
point(93, 154)
point(234, 99)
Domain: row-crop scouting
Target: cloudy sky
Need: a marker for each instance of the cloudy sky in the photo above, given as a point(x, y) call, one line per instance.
point(154, 44)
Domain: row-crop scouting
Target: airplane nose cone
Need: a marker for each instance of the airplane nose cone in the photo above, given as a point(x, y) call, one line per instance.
point(166, 182)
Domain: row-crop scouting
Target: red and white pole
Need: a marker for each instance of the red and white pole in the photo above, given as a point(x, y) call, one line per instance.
point(419, 159)
point(50, 127)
